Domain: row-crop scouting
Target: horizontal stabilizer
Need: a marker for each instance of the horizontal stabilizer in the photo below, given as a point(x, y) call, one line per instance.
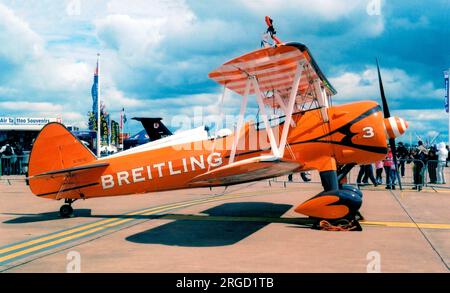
point(67, 171)
point(246, 170)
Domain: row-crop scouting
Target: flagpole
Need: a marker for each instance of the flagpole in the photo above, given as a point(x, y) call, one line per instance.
point(98, 107)
point(108, 132)
point(121, 126)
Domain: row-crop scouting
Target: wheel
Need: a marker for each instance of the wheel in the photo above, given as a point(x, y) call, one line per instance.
point(65, 211)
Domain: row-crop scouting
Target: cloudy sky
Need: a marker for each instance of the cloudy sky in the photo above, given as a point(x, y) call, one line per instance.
point(156, 55)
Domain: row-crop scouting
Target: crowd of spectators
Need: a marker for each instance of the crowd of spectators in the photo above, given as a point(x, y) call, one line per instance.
point(433, 159)
point(13, 160)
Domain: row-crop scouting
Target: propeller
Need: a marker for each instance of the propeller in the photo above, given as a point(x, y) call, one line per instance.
point(387, 114)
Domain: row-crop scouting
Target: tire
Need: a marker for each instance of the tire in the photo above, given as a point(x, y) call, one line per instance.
point(65, 211)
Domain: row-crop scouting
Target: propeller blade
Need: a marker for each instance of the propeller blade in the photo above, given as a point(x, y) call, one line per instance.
point(386, 112)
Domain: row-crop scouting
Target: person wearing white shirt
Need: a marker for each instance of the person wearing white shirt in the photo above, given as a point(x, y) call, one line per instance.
point(442, 154)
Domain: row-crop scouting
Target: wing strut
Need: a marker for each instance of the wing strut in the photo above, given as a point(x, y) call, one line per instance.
point(322, 99)
point(290, 107)
point(240, 120)
point(282, 105)
point(252, 81)
point(262, 109)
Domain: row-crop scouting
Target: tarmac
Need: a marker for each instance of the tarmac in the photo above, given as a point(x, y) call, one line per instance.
point(244, 228)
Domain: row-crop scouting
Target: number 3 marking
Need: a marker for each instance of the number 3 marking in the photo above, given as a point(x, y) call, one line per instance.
point(368, 132)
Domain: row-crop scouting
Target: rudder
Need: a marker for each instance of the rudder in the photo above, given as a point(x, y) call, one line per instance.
point(55, 148)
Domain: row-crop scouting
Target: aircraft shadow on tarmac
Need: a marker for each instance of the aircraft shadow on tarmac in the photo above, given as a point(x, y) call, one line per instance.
point(49, 216)
point(222, 225)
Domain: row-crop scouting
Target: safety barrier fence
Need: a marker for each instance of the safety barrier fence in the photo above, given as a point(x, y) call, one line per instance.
point(14, 165)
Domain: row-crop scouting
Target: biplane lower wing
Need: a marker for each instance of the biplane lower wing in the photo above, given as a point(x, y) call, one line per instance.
point(245, 170)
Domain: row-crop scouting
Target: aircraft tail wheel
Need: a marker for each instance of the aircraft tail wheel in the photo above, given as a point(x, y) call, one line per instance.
point(332, 205)
point(66, 211)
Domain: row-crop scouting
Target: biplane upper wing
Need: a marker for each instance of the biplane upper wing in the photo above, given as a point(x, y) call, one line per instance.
point(274, 68)
point(265, 166)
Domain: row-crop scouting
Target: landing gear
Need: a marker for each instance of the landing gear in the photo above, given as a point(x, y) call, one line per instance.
point(66, 210)
point(336, 208)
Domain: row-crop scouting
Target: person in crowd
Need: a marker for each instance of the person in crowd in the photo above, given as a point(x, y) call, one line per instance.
point(304, 175)
point(393, 176)
point(290, 177)
point(419, 155)
point(379, 171)
point(432, 164)
point(360, 174)
point(388, 169)
point(402, 155)
point(442, 154)
point(20, 160)
point(448, 157)
point(366, 173)
point(7, 152)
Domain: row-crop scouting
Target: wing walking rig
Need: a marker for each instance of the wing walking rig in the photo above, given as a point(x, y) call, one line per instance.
point(284, 77)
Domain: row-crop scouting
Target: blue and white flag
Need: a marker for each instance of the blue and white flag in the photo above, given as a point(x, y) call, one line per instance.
point(446, 91)
point(94, 92)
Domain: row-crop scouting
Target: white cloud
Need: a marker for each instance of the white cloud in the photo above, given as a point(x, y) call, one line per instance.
point(397, 85)
point(135, 29)
point(115, 100)
point(422, 114)
point(423, 121)
point(159, 9)
point(403, 92)
point(31, 106)
point(133, 38)
point(326, 9)
point(169, 46)
point(41, 84)
point(306, 13)
point(52, 74)
point(18, 42)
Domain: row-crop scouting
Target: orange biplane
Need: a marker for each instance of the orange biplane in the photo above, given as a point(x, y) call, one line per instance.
point(309, 134)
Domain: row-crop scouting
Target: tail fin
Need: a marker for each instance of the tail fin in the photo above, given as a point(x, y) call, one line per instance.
point(54, 149)
point(154, 127)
